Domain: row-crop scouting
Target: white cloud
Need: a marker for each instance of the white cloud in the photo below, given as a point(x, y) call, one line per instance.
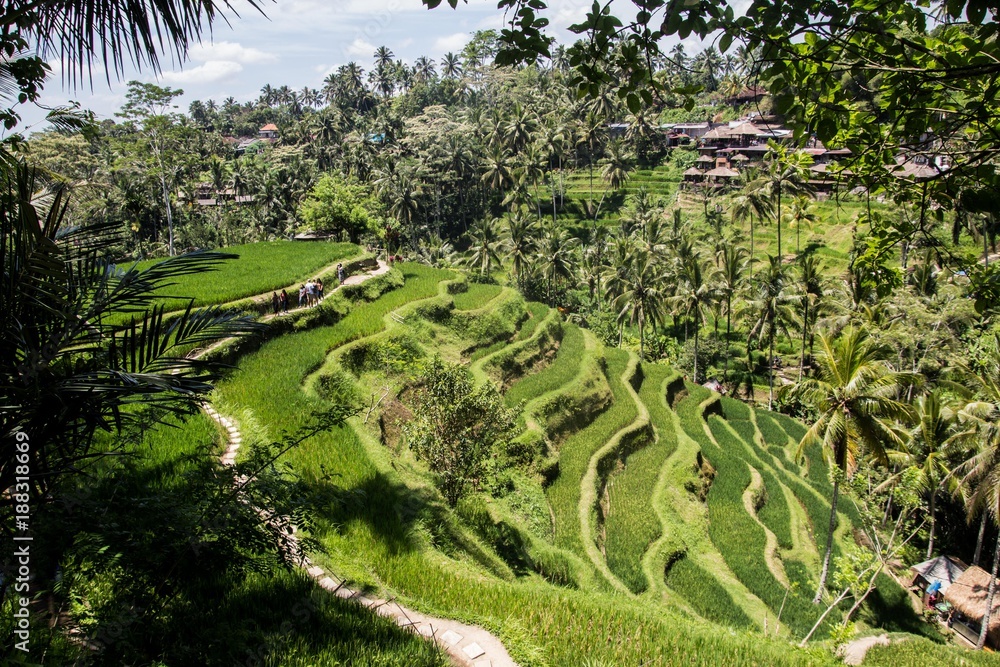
point(230, 51)
point(359, 48)
point(212, 71)
point(453, 42)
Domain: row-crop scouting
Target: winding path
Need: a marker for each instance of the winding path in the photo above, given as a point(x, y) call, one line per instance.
point(466, 645)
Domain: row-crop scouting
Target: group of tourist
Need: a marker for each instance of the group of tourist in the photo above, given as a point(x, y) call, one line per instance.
point(310, 293)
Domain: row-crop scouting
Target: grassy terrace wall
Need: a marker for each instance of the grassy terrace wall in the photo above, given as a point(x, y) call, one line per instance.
point(631, 524)
point(261, 267)
point(385, 528)
point(740, 539)
point(559, 373)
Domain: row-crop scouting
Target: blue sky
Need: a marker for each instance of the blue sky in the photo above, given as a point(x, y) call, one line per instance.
point(298, 43)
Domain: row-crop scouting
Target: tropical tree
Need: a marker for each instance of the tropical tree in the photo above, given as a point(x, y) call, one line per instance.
point(615, 172)
point(451, 66)
point(752, 202)
point(854, 392)
point(810, 288)
point(694, 295)
point(803, 212)
point(979, 424)
point(929, 451)
point(557, 256)
point(486, 245)
point(771, 305)
point(520, 241)
point(787, 173)
point(639, 287)
point(732, 279)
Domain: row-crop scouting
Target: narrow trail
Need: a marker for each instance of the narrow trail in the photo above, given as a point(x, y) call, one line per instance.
point(467, 645)
point(855, 652)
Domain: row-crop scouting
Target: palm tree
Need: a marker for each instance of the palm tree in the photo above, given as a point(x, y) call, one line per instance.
point(486, 245)
point(615, 172)
point(787, 172)
point(640, 293)
point(423, 68)
point(810, 293)
point(383, 57)
point(557, 256)
point(750, 202)
point(929, 451)
point(693, 296)
point(451, 66)
point(404, 207)
point(498, 174)
point(520, 241)
point(732, 278)
point(854, 395)
point(772, 307)
point(803, 213)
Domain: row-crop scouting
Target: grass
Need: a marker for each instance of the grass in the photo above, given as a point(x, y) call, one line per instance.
point(476, 296)
point(261, 267)
point(919, 652)
point(560, 372)
point(631, 524)
point(576, 451)
point(740, 539)
point(706, 596)
point(385, 531)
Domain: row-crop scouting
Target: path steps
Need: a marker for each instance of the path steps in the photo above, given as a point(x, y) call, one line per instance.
point(467, 645)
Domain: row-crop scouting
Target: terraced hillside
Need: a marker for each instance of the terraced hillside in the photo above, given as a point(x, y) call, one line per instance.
point(647, 522)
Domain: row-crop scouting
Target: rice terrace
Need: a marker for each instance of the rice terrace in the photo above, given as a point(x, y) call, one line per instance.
point(629, 334)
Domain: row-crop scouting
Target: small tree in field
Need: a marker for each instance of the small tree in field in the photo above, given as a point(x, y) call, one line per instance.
point(458, 428)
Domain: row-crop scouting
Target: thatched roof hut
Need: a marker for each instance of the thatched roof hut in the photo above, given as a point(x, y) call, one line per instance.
point(967, 595)
point(722, 172)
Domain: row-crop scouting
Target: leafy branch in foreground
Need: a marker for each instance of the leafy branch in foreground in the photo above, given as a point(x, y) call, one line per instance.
point(80, 341)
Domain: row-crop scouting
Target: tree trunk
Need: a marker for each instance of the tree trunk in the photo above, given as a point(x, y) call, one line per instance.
point(979, 540)
point(779, 221)
point(729, 301)
point(770, 368)
point(170, 213)
point(805, 328)
point(930, 540)
point(829, 544)
point(753, 248)
point(695, 376)
point(989, 598)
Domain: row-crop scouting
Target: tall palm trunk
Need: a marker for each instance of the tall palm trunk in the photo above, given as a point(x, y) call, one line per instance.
point(930, 540)
point(753, 248)
point(979, 540)
point(729, 302)
point(805, 328)
point(695, 376)
point(770, 368)
point(779, 221)
point(989, 598)
point(829, 543)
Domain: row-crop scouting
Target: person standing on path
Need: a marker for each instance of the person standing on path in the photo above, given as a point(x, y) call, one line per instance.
point(275, 302)
point(319, 289)
point(284, 301)
point(302, 294)
point(340, 273)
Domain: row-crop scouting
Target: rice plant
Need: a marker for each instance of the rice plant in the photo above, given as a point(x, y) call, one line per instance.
point(705, 594)
point(261, 267)
point(561, 371)
point(476, 296)
point(631, 524)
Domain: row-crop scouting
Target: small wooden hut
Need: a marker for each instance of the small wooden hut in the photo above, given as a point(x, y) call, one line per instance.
point(943, 570)
point(967, 596)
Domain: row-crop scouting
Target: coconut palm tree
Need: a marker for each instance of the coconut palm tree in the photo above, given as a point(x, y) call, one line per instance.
point(694, 295)
point(979, 424)
point(486, 244)
point(520, 242)
point(810, 289)
point(732, 279)
point(803, 212)
point(929, 451)
point(498, 172)
point(615, 172)
point(771, 305)
point(787, 173)
point(557, 256)
point(751, 202)
point(854, 394)
point(639, 287)
point(451, 66)
point(423, 68)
